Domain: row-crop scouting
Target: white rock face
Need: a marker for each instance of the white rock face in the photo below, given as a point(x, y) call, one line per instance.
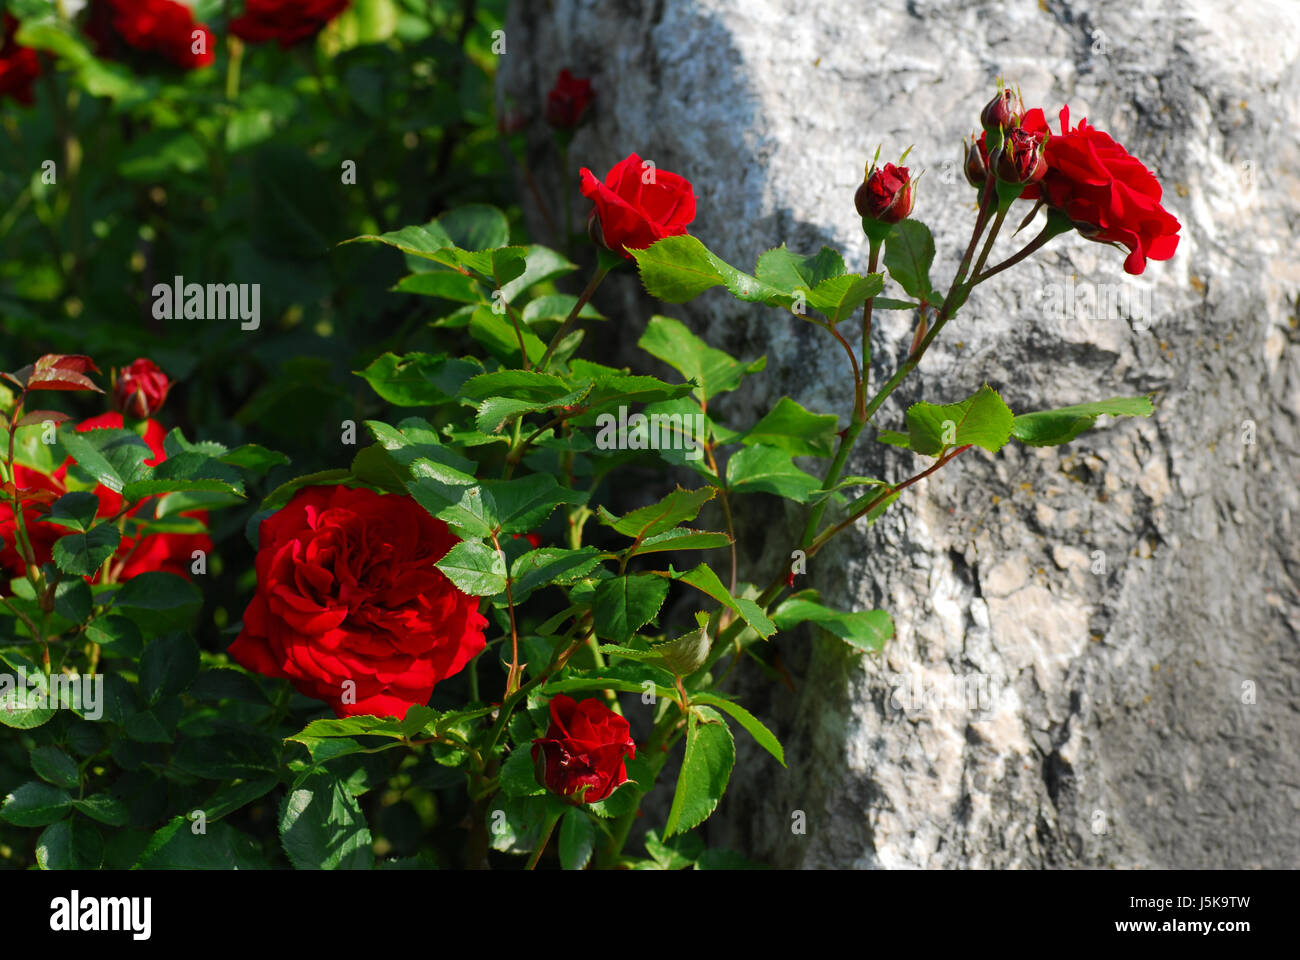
point(1097, 658)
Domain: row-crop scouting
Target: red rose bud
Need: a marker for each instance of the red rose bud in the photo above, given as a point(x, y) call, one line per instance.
point(974, 165)
point(1000, 112)
point(140, 389)
point(568, 101)
point(886, 194)
point(1021, 158)
point(584, 750)
point(637, 205)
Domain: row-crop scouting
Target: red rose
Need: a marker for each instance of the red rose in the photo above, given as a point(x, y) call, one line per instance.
point(568, 101)
point(285, 21)
point(168, 552)
point(534, 539)
point(637, 205)
point(162, 27)
point(1108, 193)
point(140, 389)
point(19, 66)
point(585, 746)
point(886, 194)
point(349, 605)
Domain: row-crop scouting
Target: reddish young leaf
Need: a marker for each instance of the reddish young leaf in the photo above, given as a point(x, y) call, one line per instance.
point(62, 371)
point(40, 416)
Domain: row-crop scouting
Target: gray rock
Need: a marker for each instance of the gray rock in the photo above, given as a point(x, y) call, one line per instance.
point(1104, 634)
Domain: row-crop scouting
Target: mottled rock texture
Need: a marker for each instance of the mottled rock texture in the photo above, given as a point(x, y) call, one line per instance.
point(1127, 604)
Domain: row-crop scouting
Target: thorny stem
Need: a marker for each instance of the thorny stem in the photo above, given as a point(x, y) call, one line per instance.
point(583, 297)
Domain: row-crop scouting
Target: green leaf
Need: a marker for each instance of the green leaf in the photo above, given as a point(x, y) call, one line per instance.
point(82, 554)
point(105, 808)
point(540, 264)
point(551, 565)
point(795, 430)
point(706, 768)
point(789, 271)
point(84, 450)
point(496, 332)
point(72, 844)
point(418, 379)
point(1048, 428)
point(517, 384)
point(839, 298)
point(682, 538)
point(909, 252)
point(117, 635)
point(322, 827)
point(158, 601)
point(623, 605)
point(703, 578)
point(475, 568)
point(475, 226)
point(21, 707)
point(644, 522)
point(76, 510)
point(177, 847)
point(711, 370)
point(518, 775)
point(34, 804)
point(557, 307)
point(577, 839)
point(867, 630)
point(763, 736)
point(524, 503)
point(254, 458)
point(982, 419)
point(764, 469)
point(54, 766)
point(677, 269)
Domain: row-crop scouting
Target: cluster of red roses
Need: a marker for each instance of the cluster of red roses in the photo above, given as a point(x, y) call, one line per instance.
point(167, 29)
point(1108, 194)
point(138, 391)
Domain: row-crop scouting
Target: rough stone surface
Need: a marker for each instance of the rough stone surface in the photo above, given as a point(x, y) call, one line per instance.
point(1116, 601)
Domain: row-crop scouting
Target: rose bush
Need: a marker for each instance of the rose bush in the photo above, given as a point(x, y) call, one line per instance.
point(424, 634)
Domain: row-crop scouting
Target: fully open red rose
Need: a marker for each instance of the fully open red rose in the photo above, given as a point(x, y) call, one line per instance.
point(349, 605)
point(585, 746)
point(1102, 187)
point(637, 205)
point(162, 27)
point(568, 101)
point(19, 66)
point(285, 21)
point(140, 389)
point(167, 552)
